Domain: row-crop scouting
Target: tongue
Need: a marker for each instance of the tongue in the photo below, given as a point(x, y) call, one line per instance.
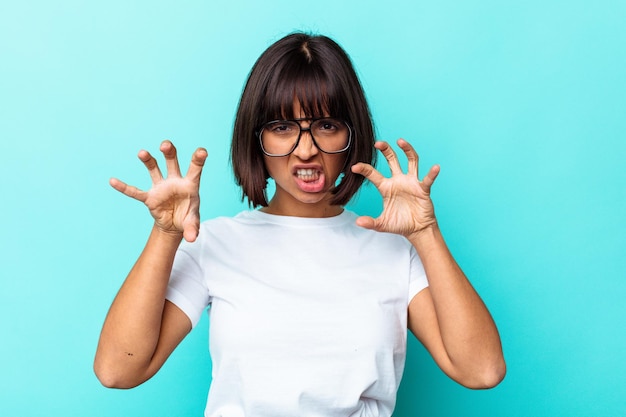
point(311, 186)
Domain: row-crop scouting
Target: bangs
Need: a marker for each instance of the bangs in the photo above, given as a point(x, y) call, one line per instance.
point(306, 84)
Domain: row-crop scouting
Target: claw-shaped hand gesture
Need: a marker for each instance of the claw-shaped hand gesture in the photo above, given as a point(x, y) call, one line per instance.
point(407, 207)
point(173, 201)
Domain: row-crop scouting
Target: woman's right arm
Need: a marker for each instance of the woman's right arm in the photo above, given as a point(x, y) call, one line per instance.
point(142, 328)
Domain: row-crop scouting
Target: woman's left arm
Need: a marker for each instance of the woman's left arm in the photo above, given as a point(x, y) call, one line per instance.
point(448, 317)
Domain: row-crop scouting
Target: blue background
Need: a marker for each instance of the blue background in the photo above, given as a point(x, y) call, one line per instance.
point(523, 104)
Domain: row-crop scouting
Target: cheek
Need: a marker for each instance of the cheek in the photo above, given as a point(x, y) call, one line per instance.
point(337, 163)
point(274, 166)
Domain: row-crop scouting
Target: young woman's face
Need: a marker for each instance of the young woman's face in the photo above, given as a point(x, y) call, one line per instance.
point(304, 178)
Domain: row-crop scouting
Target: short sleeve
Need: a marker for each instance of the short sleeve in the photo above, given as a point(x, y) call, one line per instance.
point(187, 288)
point(417, 280)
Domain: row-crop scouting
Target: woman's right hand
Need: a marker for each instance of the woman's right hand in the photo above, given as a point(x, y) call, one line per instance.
point(174, 201)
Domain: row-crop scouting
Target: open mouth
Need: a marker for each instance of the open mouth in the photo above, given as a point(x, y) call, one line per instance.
point(310, 180)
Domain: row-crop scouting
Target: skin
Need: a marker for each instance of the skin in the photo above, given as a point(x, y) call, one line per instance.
point(289, 199)
point(141, 328)
point(448, 317)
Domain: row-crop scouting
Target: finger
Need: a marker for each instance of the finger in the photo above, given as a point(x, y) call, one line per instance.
point(197, 162)
point(151, 164)
point(366, 222)
point(430, 178)
point(390, 156)
point(368, 172)
point(191, 231)
point(411, 156)
point(191, 227)
point(128, 190)
point(171, 159)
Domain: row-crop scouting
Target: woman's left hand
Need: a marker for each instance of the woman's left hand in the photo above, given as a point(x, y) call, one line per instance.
point(407, 207)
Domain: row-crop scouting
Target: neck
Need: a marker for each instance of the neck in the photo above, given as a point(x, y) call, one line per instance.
point(321, 209)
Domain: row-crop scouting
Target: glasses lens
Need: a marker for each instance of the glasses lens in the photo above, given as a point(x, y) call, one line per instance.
point(331, 135)
point(279, 137)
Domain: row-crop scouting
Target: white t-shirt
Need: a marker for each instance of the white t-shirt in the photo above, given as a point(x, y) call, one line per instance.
point(308, 316)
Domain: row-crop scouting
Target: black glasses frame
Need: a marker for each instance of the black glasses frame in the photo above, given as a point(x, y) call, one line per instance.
point(259, 133)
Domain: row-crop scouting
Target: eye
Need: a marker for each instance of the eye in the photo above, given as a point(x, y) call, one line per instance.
point(328, 126)
point(281, 127)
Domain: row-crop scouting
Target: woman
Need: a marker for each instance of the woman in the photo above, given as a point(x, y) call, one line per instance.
point(309, 303)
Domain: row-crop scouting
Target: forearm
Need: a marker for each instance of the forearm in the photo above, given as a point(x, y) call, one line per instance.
point(131, 330)
point(468, 332)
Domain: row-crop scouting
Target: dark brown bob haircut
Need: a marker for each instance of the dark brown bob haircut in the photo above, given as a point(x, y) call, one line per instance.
point(317, 72)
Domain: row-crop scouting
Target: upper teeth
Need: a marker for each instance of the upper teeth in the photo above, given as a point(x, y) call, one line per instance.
point(305, 171)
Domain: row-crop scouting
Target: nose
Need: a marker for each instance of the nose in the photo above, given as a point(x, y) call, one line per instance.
point(305, 149)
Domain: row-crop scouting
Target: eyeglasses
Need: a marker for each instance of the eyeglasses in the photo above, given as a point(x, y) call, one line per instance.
point(281, 137)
